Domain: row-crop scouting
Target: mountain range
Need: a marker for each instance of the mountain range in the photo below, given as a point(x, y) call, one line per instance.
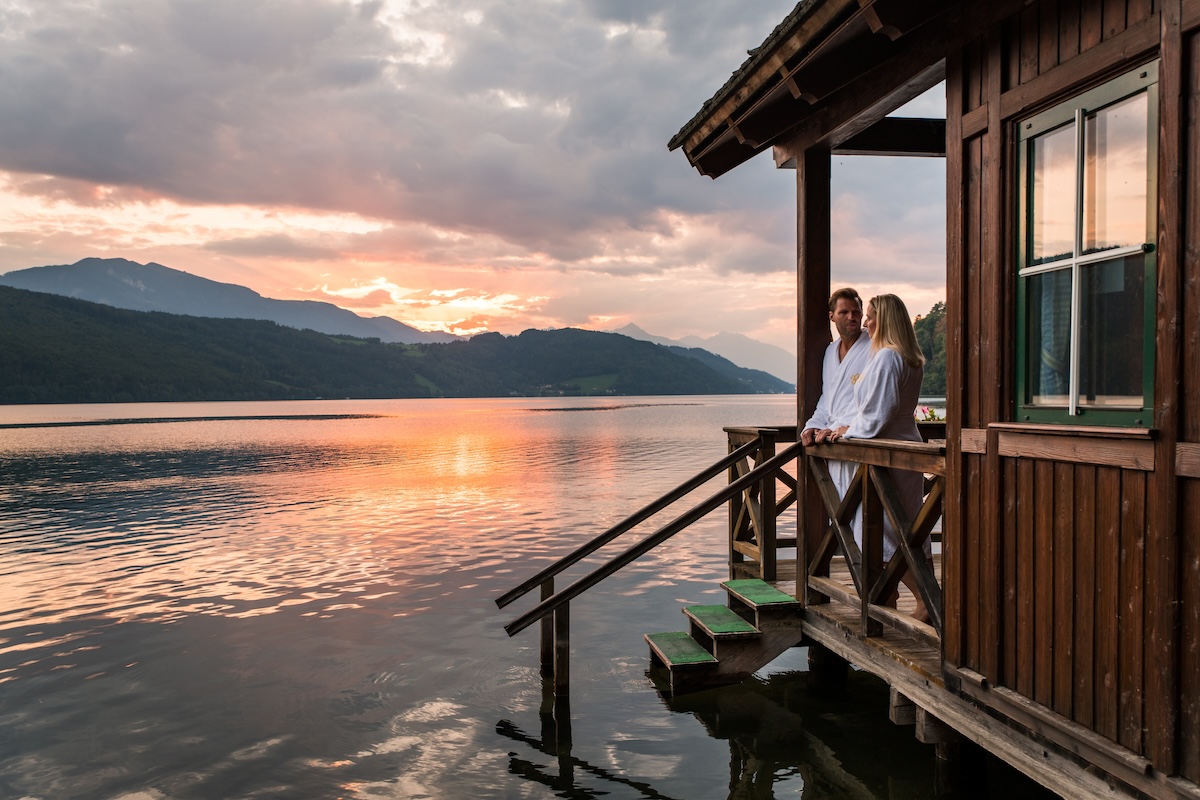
point(129, 285)
point(740, 349)
point(152, 287)
point(57, 349)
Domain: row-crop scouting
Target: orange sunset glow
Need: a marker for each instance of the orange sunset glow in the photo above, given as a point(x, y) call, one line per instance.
point(461, 169)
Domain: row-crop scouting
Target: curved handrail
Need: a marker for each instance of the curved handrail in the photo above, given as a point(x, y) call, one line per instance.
point(653, 540)
point(626, 524)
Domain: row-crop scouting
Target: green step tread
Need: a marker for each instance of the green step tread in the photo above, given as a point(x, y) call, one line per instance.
point(678, 648)
point(758, 592)
point(719, 620)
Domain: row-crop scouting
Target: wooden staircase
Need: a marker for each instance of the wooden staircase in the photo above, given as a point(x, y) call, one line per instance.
point(726, 644)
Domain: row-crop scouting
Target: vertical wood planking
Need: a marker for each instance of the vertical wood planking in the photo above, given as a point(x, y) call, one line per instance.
point(1189, 673)
point(1048, 57)
point(1137, 11)
point(1026, 559)
point(1064, 587)
point(1162, 528)
point(974, 288)
point(1083, 705)
point(1107, 623)
point(1068, 30)
point(953, 594)
point(1010, 532)
point(1030, 49)
point(1091, 27)
point(1132, 625)
point(1189, 516)
point(1189, 409)
point(1043, 586)
point(1113, 18)
point(974, 465)
point(1012, 52)
point(993, 387)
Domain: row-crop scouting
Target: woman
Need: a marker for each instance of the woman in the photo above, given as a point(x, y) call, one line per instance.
point(887, 394)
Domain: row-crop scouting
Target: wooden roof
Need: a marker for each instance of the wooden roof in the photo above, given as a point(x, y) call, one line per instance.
point(829, 72)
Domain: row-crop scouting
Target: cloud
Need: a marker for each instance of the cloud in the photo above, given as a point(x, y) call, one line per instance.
point(514, 149)
point(541, 123)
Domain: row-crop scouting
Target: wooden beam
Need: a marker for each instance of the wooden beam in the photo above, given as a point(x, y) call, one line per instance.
point(807, 30)
point(1187, 460)
point(1105, 452)
point(917, 65)
point(898, 136)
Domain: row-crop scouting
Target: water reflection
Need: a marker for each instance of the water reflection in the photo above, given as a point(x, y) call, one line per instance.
point(303, 607)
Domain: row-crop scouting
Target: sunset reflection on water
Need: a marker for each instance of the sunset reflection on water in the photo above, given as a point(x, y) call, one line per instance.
point(297, 600)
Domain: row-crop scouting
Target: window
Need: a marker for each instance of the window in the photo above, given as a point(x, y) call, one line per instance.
point(1086, 269)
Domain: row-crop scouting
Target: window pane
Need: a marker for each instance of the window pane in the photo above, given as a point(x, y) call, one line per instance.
point(1115, 173)
point(1049, 337)
point(1112, 317)
point(1052, 203)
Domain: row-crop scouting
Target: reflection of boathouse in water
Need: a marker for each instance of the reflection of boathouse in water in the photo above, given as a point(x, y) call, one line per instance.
point(1065, 599)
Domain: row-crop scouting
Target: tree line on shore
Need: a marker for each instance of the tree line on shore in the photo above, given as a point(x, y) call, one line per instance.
point(55, 349)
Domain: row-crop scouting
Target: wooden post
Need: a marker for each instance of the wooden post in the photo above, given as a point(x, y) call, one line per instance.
point(736, 509)
point(547, 639)
point(872, 551)
point(562, 650)
point(813, 172)
point(767, 530)
point(1162, 654)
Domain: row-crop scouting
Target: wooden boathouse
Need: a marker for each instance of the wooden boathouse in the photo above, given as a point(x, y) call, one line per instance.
point(1065, 482)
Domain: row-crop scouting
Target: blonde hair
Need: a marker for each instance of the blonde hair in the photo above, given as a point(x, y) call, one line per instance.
point(893, 328)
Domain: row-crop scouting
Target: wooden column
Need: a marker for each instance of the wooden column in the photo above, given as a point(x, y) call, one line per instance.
point(995, 334)
point(1162, 540)
point(813, 171)
point(953, 593)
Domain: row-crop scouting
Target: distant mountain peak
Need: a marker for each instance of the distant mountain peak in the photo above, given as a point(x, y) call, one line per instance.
point(736, 347)
point(122, 283)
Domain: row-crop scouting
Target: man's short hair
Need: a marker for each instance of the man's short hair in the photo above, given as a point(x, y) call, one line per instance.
point(843, 294)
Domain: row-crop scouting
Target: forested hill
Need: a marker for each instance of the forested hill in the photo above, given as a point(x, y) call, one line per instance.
point(58, 350)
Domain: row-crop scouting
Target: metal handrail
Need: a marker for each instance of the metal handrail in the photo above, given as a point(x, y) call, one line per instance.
point(626, 524)
point(560, 599)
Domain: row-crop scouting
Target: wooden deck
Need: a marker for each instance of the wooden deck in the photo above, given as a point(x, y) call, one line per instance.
point(904, 641)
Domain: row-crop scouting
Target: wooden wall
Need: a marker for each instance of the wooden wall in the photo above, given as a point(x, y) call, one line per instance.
point(1072, 572)
point(1189, 433)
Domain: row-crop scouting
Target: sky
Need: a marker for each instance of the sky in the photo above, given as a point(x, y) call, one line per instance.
point(466, 166)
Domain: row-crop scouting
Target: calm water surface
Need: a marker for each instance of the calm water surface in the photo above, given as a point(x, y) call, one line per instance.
point(296, 600)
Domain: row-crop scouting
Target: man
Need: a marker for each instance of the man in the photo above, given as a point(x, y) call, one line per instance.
point(845, 358)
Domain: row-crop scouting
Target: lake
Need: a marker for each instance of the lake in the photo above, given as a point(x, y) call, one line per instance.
point(296, 600)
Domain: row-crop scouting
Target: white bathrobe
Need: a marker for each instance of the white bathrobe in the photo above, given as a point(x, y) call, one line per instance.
point(887, 395)
point(837, 405)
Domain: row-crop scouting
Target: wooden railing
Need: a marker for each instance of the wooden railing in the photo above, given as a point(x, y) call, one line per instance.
point(755, 511)
point(873, 490)
point(553, 610)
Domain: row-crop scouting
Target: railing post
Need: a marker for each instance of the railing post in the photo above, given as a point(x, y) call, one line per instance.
point(812, 525)
point(736, 510)
point(767, 530)
point(547, 640)
point(562, 650)
point(556, 643)
point(872, 550)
